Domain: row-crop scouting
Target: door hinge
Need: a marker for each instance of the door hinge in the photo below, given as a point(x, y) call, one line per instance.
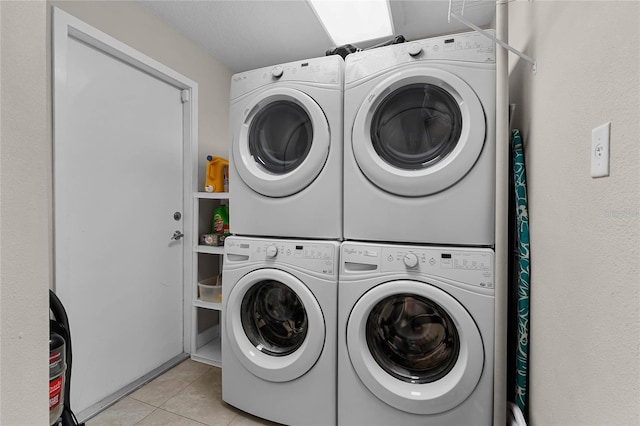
point(184, 96)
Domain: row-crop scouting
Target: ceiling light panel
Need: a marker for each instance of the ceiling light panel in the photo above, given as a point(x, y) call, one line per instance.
point(353, 21)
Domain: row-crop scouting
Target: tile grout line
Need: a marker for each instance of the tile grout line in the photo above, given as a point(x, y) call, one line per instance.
point(175, 414)
point(178, 393)
point(233, 419)
point(155, 409)
point(180, 390)
point(155, 406)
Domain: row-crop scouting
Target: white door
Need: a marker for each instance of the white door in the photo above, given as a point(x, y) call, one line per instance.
point(118, 173)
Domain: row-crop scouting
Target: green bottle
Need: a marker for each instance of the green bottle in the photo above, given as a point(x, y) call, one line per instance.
point(221, 219)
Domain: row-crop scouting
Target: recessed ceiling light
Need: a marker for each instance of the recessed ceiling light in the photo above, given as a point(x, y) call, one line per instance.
point(353, 21)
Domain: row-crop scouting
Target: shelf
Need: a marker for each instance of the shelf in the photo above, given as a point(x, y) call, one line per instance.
point(207, 305)
point(211, 195)
point(207, 262)
point(210, 353)
point(209, 349)
point(209, 249)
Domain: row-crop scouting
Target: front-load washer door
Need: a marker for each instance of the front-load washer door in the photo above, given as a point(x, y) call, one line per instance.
point(283, 142)
point(274, 325)
point(418, 132)
point(415, 347)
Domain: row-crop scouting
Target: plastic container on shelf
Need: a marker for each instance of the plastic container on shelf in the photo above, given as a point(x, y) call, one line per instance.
point(210, 290)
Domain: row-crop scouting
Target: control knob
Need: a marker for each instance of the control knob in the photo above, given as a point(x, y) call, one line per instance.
point(414, 49)
point(410, 260)
point(276, 72)
point(272, 251)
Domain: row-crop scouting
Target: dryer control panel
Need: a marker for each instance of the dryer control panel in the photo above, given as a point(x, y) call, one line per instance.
point(468, 47)
point(320, 257)
point(472, 266)
point(324, 71)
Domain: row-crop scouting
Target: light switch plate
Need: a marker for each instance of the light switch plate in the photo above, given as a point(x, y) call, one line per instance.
point(600, 150)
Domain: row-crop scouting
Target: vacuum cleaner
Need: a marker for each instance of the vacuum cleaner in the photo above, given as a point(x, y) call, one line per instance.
point(60, 356)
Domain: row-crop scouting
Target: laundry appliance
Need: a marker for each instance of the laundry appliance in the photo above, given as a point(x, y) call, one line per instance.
point(286, 154)
point(419, 151)
point(415, 335)
point(279, 329)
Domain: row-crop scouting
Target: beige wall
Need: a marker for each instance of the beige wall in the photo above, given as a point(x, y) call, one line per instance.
point(585, 232)
point(585, 320)
point(25, 176)
point(25, 171)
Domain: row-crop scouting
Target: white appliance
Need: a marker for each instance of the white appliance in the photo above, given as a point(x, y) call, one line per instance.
point(279, 329)
point(415, 335)
point(286, 157)
point(419, 162)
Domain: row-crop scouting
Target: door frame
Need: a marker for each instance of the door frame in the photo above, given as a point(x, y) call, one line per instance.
point(67, 26)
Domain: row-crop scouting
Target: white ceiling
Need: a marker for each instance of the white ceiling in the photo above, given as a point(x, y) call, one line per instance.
point(249, 34)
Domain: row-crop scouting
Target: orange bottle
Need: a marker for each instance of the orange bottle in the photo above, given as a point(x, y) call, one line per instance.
point(215, 176)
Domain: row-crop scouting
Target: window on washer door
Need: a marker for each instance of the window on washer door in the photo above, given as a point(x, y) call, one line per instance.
point(412, 338)
point(274, 318)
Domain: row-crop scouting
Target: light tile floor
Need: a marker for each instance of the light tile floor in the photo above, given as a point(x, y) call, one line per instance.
point(190, 394)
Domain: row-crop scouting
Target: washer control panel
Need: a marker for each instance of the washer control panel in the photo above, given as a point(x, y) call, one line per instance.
point(314, 256)
point(472, 266)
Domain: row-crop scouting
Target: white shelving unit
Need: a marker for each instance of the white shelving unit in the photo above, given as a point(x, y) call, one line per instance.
point(207, 262)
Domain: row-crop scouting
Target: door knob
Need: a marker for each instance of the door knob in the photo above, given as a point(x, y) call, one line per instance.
point(177, 235)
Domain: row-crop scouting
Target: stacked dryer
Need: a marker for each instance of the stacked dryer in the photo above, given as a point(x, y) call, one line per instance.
point(416, 296)
point(280, 274)
point(286, 153)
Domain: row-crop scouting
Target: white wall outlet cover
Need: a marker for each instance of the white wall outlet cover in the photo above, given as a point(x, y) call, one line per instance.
point(600, 150)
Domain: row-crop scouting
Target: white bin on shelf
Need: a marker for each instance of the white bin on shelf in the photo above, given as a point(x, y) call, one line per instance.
point(210, 290)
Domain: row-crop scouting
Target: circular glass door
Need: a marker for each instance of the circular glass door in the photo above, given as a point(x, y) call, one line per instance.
point(283, 142)
point(418, 132)
point(274, 318)
point(416, 126)
point(274, 325)
point(415, 347)
point(280, 136)
point(412, 338)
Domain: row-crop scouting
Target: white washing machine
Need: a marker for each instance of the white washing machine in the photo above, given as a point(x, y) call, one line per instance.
point(419, 162)
point(415, 335)
point(285, 173)
point(279, 329)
